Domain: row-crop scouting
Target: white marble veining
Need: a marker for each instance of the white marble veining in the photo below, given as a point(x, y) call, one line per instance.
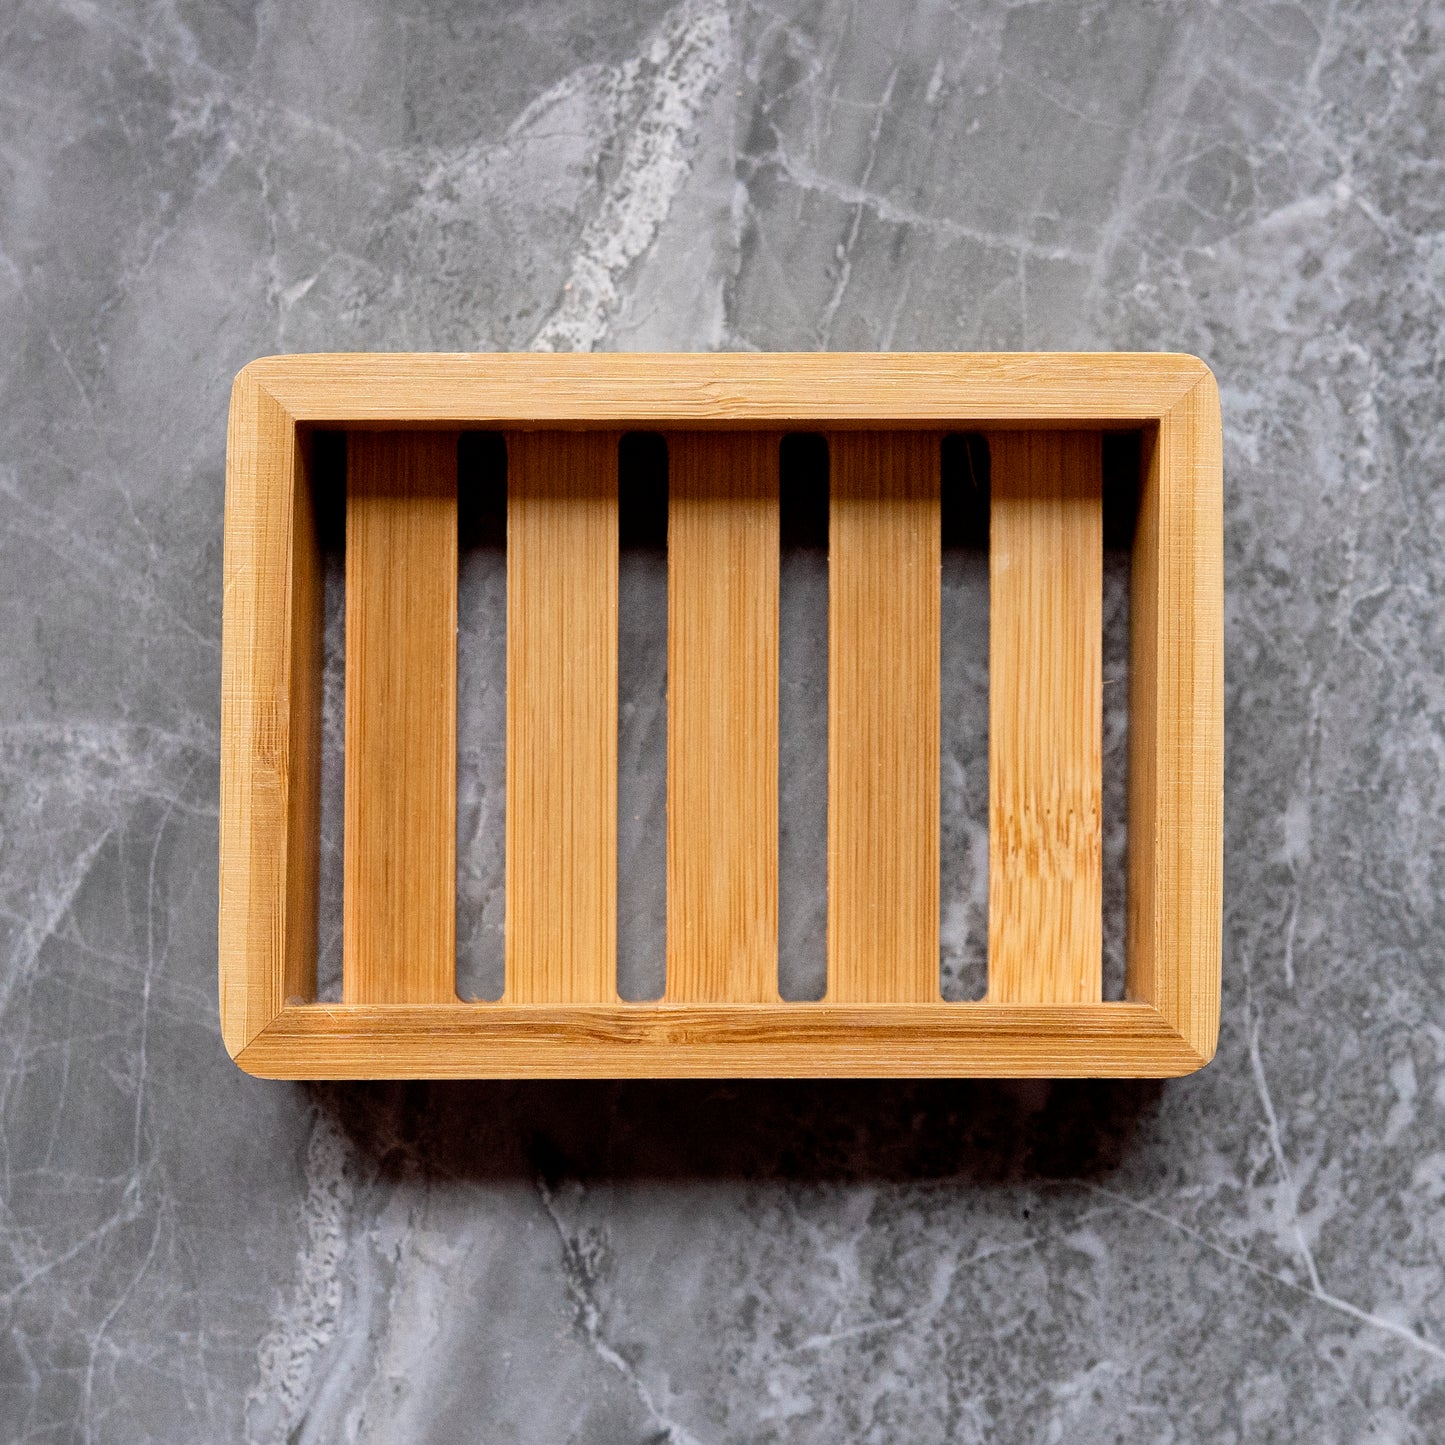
point(1251, 1254)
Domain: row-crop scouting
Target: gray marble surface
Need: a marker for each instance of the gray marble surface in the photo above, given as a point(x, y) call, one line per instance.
point(1251, 1254)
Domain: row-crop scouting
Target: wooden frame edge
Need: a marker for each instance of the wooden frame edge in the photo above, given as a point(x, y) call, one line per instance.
point(1176, 748)
point(658, 1041)
point(266, 921)
point(701, 389)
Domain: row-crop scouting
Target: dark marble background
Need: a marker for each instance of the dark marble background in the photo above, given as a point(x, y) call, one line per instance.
point(187, 1254)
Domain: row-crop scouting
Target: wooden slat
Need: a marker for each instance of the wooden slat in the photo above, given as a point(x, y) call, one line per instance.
point(399, 901)
point(561, 918)
point(883, 700)
point(1045, 717)
point(722, 717)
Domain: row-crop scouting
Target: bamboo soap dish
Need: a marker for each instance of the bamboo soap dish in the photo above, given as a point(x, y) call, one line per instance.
point(723, 418)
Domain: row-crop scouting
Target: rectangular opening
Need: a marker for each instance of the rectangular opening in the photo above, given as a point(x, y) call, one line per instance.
point(1121, 461)
point(803, 717)
point(328, 490)
point(481, 714)
point(641, 716)
point(963, 781)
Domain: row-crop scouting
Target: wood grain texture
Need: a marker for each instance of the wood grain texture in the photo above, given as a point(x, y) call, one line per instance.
point(1046, 579)
point(399, 868)
point(561, 918)
point(782, 389)
point(270, 720)
point(722, 717)
point(785, 1040)
point(1176, 722)
point(884, 581)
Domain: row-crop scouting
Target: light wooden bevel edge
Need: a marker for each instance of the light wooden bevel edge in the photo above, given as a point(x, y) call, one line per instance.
point(548, 390)
point(1176, 722)
point(264, 904)
point(271, 659)
point(786, 1040)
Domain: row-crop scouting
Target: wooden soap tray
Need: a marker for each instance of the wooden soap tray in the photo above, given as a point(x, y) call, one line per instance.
point(723, 418)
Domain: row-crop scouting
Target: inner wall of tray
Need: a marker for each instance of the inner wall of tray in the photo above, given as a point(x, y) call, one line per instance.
point(803, 712)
